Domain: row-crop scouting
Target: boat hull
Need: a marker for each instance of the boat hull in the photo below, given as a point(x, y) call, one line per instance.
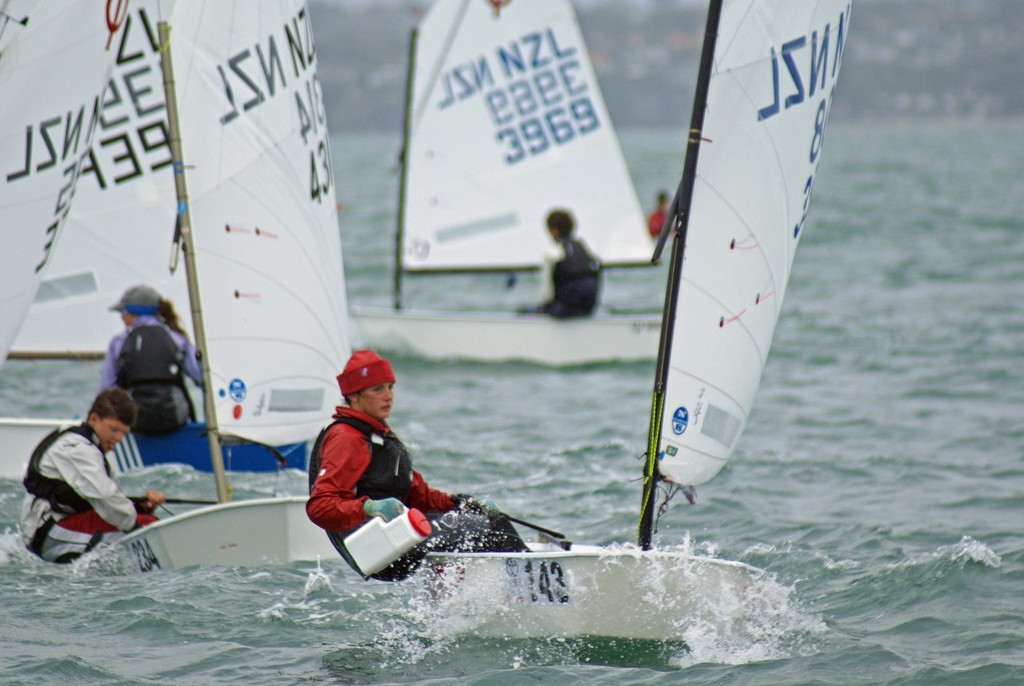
point(590, 591)
point(187, 446)
point(248, 533)
point(501, 337)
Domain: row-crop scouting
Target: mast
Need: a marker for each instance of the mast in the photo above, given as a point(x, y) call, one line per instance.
point(680, 213)
point(185, 229)
point(403, 161)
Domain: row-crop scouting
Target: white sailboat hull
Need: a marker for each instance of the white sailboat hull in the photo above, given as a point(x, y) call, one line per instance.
point(590, 591)
point(247, 533)
point(501, 337)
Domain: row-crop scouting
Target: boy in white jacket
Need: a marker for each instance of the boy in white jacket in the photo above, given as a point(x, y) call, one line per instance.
point(74, 501)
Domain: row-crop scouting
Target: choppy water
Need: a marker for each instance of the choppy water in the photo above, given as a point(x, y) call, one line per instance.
point(880, 480)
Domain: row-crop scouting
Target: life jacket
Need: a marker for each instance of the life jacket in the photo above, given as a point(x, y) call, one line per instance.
point(149, 367)
point(58, 493)
point(576, 279)
point(389, 475)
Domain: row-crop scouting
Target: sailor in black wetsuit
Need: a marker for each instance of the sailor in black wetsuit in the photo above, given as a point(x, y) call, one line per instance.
point(571, 277)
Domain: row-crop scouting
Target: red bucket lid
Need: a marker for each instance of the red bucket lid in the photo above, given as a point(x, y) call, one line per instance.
point(419, 523)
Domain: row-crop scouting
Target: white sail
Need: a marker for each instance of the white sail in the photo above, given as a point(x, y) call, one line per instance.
point(264, 216)
point(54, 63)
point(508, 122)
point(119, 232)
point(775, 69)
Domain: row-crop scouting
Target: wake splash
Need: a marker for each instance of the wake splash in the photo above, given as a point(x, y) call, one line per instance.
point(686, 608)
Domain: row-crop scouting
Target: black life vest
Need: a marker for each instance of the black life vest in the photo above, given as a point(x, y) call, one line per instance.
point(389, 475)
point(149, 367)
point(576, 279)
point(61, 496)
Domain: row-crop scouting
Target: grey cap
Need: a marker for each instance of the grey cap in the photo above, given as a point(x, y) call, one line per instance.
point(139, 296)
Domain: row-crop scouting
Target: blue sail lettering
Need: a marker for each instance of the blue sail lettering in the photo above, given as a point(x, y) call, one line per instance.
point(773, 109)
point(541, 48)
point(569, 71)
point(534, 42)
point(558, 51)
point(799, 89)
point(794, 72)
point(464, 81)
point(511, 58)
point(840, 42)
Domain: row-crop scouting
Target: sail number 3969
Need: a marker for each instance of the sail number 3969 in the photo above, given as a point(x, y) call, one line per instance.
point(554, 127)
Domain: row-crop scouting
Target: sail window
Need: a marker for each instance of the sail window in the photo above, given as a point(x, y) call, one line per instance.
point(721, 425)
point(296, 399)
point(489, 225)
point(66, 287)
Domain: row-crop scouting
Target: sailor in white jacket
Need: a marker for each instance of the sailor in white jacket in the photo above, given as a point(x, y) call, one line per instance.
point(74, 501)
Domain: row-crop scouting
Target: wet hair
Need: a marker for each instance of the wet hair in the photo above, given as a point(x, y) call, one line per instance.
point(561, 222)
point(115, 403)
point(165, 311)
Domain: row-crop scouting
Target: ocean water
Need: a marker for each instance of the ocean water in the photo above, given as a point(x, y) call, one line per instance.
point(880, 480)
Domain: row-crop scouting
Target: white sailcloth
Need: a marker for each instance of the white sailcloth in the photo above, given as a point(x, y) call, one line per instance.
point(508, 122)
point(264, 216)
point(119, 232)
point(54, 64)
point(775, 67)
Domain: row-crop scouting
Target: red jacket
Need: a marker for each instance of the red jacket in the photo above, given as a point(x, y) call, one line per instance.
point(344, 456)
point(655, 222)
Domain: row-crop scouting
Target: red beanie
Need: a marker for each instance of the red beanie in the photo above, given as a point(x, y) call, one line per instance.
point(364, 369)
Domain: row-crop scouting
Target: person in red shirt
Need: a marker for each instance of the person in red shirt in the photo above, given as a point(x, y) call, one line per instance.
point(360, 469)
point(656, 219)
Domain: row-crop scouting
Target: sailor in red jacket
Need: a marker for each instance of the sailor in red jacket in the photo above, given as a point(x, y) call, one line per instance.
point(359, 468)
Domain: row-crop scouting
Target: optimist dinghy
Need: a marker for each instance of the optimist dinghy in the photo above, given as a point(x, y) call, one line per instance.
point(504, 122)
point(262, 254)
point(767, 78)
